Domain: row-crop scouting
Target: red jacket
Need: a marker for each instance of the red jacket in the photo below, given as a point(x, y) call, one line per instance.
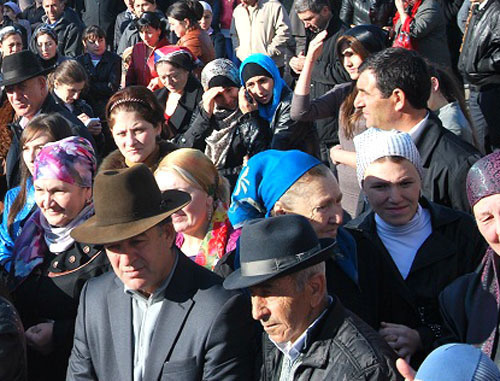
point(139, 71)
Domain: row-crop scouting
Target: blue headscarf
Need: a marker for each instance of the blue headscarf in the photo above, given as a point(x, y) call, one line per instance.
point(267, 111)
point(265, 178)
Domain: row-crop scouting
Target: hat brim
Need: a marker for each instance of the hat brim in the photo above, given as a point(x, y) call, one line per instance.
point(236, 280)
point(19, 79)
point(92, 232)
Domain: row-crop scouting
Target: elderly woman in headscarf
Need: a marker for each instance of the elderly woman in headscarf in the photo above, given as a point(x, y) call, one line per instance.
point(278, 182)
point(419, 247)
point(49, 268)
point(180, 91)
point(471, 304)
point(265, 100)
point(216, 128)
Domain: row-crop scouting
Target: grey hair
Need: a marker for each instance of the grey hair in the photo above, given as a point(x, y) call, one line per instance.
point(315, 6)
point(301, 277)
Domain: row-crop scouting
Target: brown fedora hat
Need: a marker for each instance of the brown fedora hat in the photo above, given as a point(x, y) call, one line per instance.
point(127, 203)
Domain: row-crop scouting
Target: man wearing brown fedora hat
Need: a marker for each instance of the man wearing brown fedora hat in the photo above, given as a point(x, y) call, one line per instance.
point(158, 315)
point(308, 335)
point(26, 87)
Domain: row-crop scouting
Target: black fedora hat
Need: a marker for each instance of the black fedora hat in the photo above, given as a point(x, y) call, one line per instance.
point(127, 203)
point(19, 67)
point(275, 247)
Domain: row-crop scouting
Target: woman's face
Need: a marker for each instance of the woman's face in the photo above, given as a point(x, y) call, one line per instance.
point(46, 46)
point(178, 26)
point(260, 88)
point(487, 213)
point(393, 190)
point(193, 218)
point(206, 20)
point(150, 36)
point(173, 78)
point(60, 202)
point(31, 148)
point(68, 93)
point(134, 136)
point(321, 205)
point(351, 60)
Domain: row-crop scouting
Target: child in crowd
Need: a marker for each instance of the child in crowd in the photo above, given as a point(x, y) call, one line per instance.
point(216, 36)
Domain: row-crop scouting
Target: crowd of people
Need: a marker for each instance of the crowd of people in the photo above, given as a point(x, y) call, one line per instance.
point(173, 173)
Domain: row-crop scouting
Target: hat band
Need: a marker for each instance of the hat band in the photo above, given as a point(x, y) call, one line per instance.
point(270, 266)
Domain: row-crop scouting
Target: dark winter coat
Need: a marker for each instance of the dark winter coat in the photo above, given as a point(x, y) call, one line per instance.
point(446, 159)
point(180, 120)
point(454, 248)
point(286, 133)
point(341, 347)
point(355, 12)
point(479, 62)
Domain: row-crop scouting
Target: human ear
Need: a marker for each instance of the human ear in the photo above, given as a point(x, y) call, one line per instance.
point(279, 210)
point(399, 99)
point(317, 288)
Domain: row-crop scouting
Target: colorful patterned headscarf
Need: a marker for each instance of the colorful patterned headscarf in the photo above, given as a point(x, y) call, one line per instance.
point(71, 160)
point(177, 55)
point(220, 72)
point(483, 179)
point(265, 178)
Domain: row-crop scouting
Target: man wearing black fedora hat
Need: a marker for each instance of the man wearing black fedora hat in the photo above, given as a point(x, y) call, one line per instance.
point(26, 87)
point(158, 315)
point(308, 335)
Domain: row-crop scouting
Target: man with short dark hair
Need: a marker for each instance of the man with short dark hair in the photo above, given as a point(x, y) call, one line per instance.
point(65, 23)
point(393, 89)
point(317, 15)
point(308, 335)
point(158, 315)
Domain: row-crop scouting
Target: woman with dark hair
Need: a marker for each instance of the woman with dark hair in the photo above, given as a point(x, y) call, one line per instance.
point(46, 48)
point(66, 84)
point(184, 18)
point(354, 46)
point(181, 91)
point(447, 100)
point(152, 31)
point(20, 201)
point(135, 118)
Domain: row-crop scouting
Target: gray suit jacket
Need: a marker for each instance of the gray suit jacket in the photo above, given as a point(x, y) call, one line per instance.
point(203, 332)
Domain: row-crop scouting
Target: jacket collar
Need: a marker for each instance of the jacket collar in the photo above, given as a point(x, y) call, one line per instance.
point(429, 138)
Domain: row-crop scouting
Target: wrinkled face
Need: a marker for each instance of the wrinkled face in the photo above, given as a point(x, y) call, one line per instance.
point(134, 136)
point(321, 206)
point(46, 46)
point(282, 310)
point(377, 110)
point(393, 190)
point(143, 262)
point(141, 6)
point(315, 22)
point(31, 148)
point(11, 44)
point(53, 9)
point(206, 20)
point(178, 26)
point(60, 202)
point(173, 78)
point(96, 45)
point(351, 61)
point(28, 96)
point(487, 213)
point(193, 218)
point(228, 99)
point(150, 36)
point(68, 93)
point(261, 88)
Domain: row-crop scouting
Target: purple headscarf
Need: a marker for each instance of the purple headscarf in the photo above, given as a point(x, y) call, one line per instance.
point(71, 160)
point(483, 179)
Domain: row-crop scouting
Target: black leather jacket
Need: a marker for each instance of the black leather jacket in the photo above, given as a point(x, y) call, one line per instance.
point(479, 62)
point(355, 12)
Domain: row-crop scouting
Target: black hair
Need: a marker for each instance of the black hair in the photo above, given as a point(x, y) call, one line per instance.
point(153, 20)
point(398, 68)
point(186, 9)
point(94, 32)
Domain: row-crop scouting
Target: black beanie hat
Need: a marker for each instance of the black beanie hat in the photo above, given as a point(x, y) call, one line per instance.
point(252, 69)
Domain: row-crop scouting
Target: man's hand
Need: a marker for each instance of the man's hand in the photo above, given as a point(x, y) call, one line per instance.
point(246, 105)
point(405, 370)
point(208, 99)
point(402, 339)
point(297, 63)
point(39, 337)
point(315, 46)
